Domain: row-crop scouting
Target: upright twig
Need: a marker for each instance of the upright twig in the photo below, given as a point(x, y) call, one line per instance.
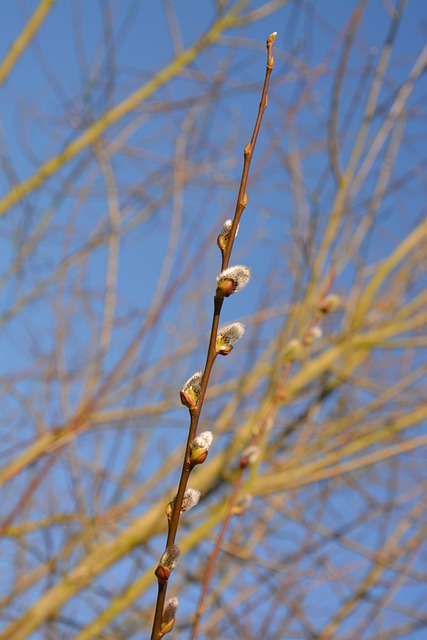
point(193, 394)
point(326, 304)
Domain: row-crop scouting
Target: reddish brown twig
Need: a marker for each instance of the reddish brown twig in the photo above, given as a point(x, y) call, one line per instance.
point(245, 459)
point(176, 508)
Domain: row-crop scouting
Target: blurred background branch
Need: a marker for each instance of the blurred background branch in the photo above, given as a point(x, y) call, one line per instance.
point(122, 131)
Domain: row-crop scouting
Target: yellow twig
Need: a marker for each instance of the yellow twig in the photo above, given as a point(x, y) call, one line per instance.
point(22, 41)
point(112, 116)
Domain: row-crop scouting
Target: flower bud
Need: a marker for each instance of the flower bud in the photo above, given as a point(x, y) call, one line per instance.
point(227, 336)
point(224, 236)
point(232, 280)
point(191, 498)
point(313, 334)
point(168, 617)
point(293, 350)
point(167, 562)
point(249, 456)
point(199, 447)
point(242, 504)
point(329, 304)
point(191, 391)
